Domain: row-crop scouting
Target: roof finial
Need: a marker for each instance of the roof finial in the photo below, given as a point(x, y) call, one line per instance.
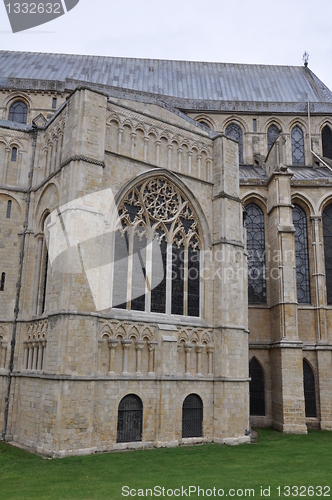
point(305, 58)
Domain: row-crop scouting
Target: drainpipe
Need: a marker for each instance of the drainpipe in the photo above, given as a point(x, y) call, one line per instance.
point(309, 129)
point(34, 134)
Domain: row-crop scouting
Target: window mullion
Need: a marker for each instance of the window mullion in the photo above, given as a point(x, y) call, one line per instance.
point(185, 282)
point(148, 280)
point(130, 267)
point(169, 278)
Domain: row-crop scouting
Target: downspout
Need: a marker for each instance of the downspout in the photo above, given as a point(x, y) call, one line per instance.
point(19, 283)
point(310, 145)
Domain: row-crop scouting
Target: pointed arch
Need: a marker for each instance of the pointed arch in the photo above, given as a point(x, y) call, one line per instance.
point(309, 390)
point(302, 255)
point(298, 157)
point(234, 131)
point(327, 141)
point(254, 223)
point(257, 388)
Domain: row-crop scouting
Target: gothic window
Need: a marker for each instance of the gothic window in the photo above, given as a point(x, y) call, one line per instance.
point(272, 134)
point(257, 389)
point(13, 155)
point(205, 125)
point(130, 419)
point(157, 251)
point(192, 416)
point(18, 112)
point(44, 280)
point(327, 235)
point(327, 142)
point(2, 282)
point(301, 255)
point(309, 390)
point(254, 223)
point(297, 146)
point(9, 209)
point(234, 132)
point(54, 102)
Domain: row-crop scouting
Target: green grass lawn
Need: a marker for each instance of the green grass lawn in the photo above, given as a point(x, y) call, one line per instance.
point(275, 460)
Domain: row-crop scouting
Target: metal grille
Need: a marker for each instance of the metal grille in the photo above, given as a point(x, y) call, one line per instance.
point(254, 223)
point(301, 254)
point(327, 235)
point(192, 416)
point(327, 142)
point(9, 209)
point(309, 390)
point(297, 146)
point(18, 112)
point(257, 390)
point(272, 134)
point(130, 418)
point(234, 132)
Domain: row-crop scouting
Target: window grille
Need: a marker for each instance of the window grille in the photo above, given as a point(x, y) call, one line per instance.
point(2, 282)
point(155, 215)
point(257, 388)
point(13, 156)
point(254, 223)
point(234, 132)
point(272, 134)
point(297, 146)
point(309, 390)
point(327, 142)
point(192, 416)
point(130, 419)
point(9, 209)
point(327, 236)
point(18, 112)
point(301, 255)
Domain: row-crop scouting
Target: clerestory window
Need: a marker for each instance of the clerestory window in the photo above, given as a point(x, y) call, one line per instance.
point(157, 251)
point(297, 146)
point(327, 142)
point(18, 112)
point(234, 131)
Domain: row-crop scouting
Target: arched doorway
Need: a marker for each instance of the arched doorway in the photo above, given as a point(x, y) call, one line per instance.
point(192, 416)
point(130, 419)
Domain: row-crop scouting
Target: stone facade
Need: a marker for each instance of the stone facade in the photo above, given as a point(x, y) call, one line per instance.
point(76, 356)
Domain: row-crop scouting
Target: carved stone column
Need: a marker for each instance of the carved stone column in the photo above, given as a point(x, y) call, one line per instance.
point(132, 150)
point(199, 349)
point(152, 349)
point(30, 355)
point(112, 344)
point(187, 349)
point(210, 350)
point(139, 346)
point(35, 355)
point(25, 357)
point(120, 138)
point(169, 155)
point(44, 354)
point(179, 158)
point(5, 165)
point(145, 153)
point(158, 152)
point(125, 346)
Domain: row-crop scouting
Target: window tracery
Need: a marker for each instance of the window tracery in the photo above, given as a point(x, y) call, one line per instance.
point(297, 146)
point(157, 251)
point(18, 112)
point(301, 255)
point(254, 223)
point(272, 134)
point(234, 132)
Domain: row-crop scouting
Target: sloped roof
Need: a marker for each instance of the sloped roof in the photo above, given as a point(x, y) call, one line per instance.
point(185, 80)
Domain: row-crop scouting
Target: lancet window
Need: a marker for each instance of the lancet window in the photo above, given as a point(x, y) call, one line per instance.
point(157, 251)
point(327, 142)
point(297, 146)
point(272, 134)
point(301, 254)
point(254, 223)
point(234, 131)
point(327, 235)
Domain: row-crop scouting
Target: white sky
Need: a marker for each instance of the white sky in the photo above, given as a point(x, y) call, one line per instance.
point(240, 31)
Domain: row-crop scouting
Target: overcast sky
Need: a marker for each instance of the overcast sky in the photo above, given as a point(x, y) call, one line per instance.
point(239, 31)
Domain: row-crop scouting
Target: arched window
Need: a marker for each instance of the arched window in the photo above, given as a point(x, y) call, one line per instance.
point(327, 236)
point(297, 146)
point(18, 112)
point(272, 134)
point(157, 251)
point(9, 209)
point(13, 155)
point(2, 282)
point(254, 223)
point(42, 272)
point(130, 419)
point(205, 125)
point(192, 416)
point(309, 390)
point(234, 131)
point(302, 256)
point(327, 142)
point(257, 389)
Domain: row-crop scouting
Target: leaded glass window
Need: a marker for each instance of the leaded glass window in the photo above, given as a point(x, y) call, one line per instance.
point(301, 255)
point(18, 112)
point(192, 416)
point(272, 134)
point(254, 223)
point(297, 146)
point(130, 419)
point(257, 388)
point(157, 251)
point(327, 142)
point(327, 235)
point(234, 131)
point(309, 390)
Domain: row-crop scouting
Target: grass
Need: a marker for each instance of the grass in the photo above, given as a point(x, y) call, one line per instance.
point(275, 460)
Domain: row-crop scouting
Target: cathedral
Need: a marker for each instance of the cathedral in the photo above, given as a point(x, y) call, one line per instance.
point(166, 252)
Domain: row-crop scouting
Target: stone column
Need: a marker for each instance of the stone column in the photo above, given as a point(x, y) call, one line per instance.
point(199, 158)
point(35, 355)
point(169, 156)
point(26, 353)
point(145, 153)
point(139, 346)
point(152, 349)
point(120, 138)
point(199, 349)
point(112, 344)
point(44, 354)
point(5, 165)
point(125, 346)
point(158, 152)
point(179, 158)
point(187, 349)
point(132, 148)
point(189, 162)
point(30, 344)
point(40, 355)
point(209, 350)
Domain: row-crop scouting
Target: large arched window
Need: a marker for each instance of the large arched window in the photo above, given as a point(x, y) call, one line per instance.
point(272, 134)
point(18, 112)
point(297, 146)
point(309, 390)
point(257, 388)
point(192, 416)
point(301, 255)
point(157, 251)
point(234, 131)
point(327, 235)
point(254, 223)
point(327, 142)
point(130, 419)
